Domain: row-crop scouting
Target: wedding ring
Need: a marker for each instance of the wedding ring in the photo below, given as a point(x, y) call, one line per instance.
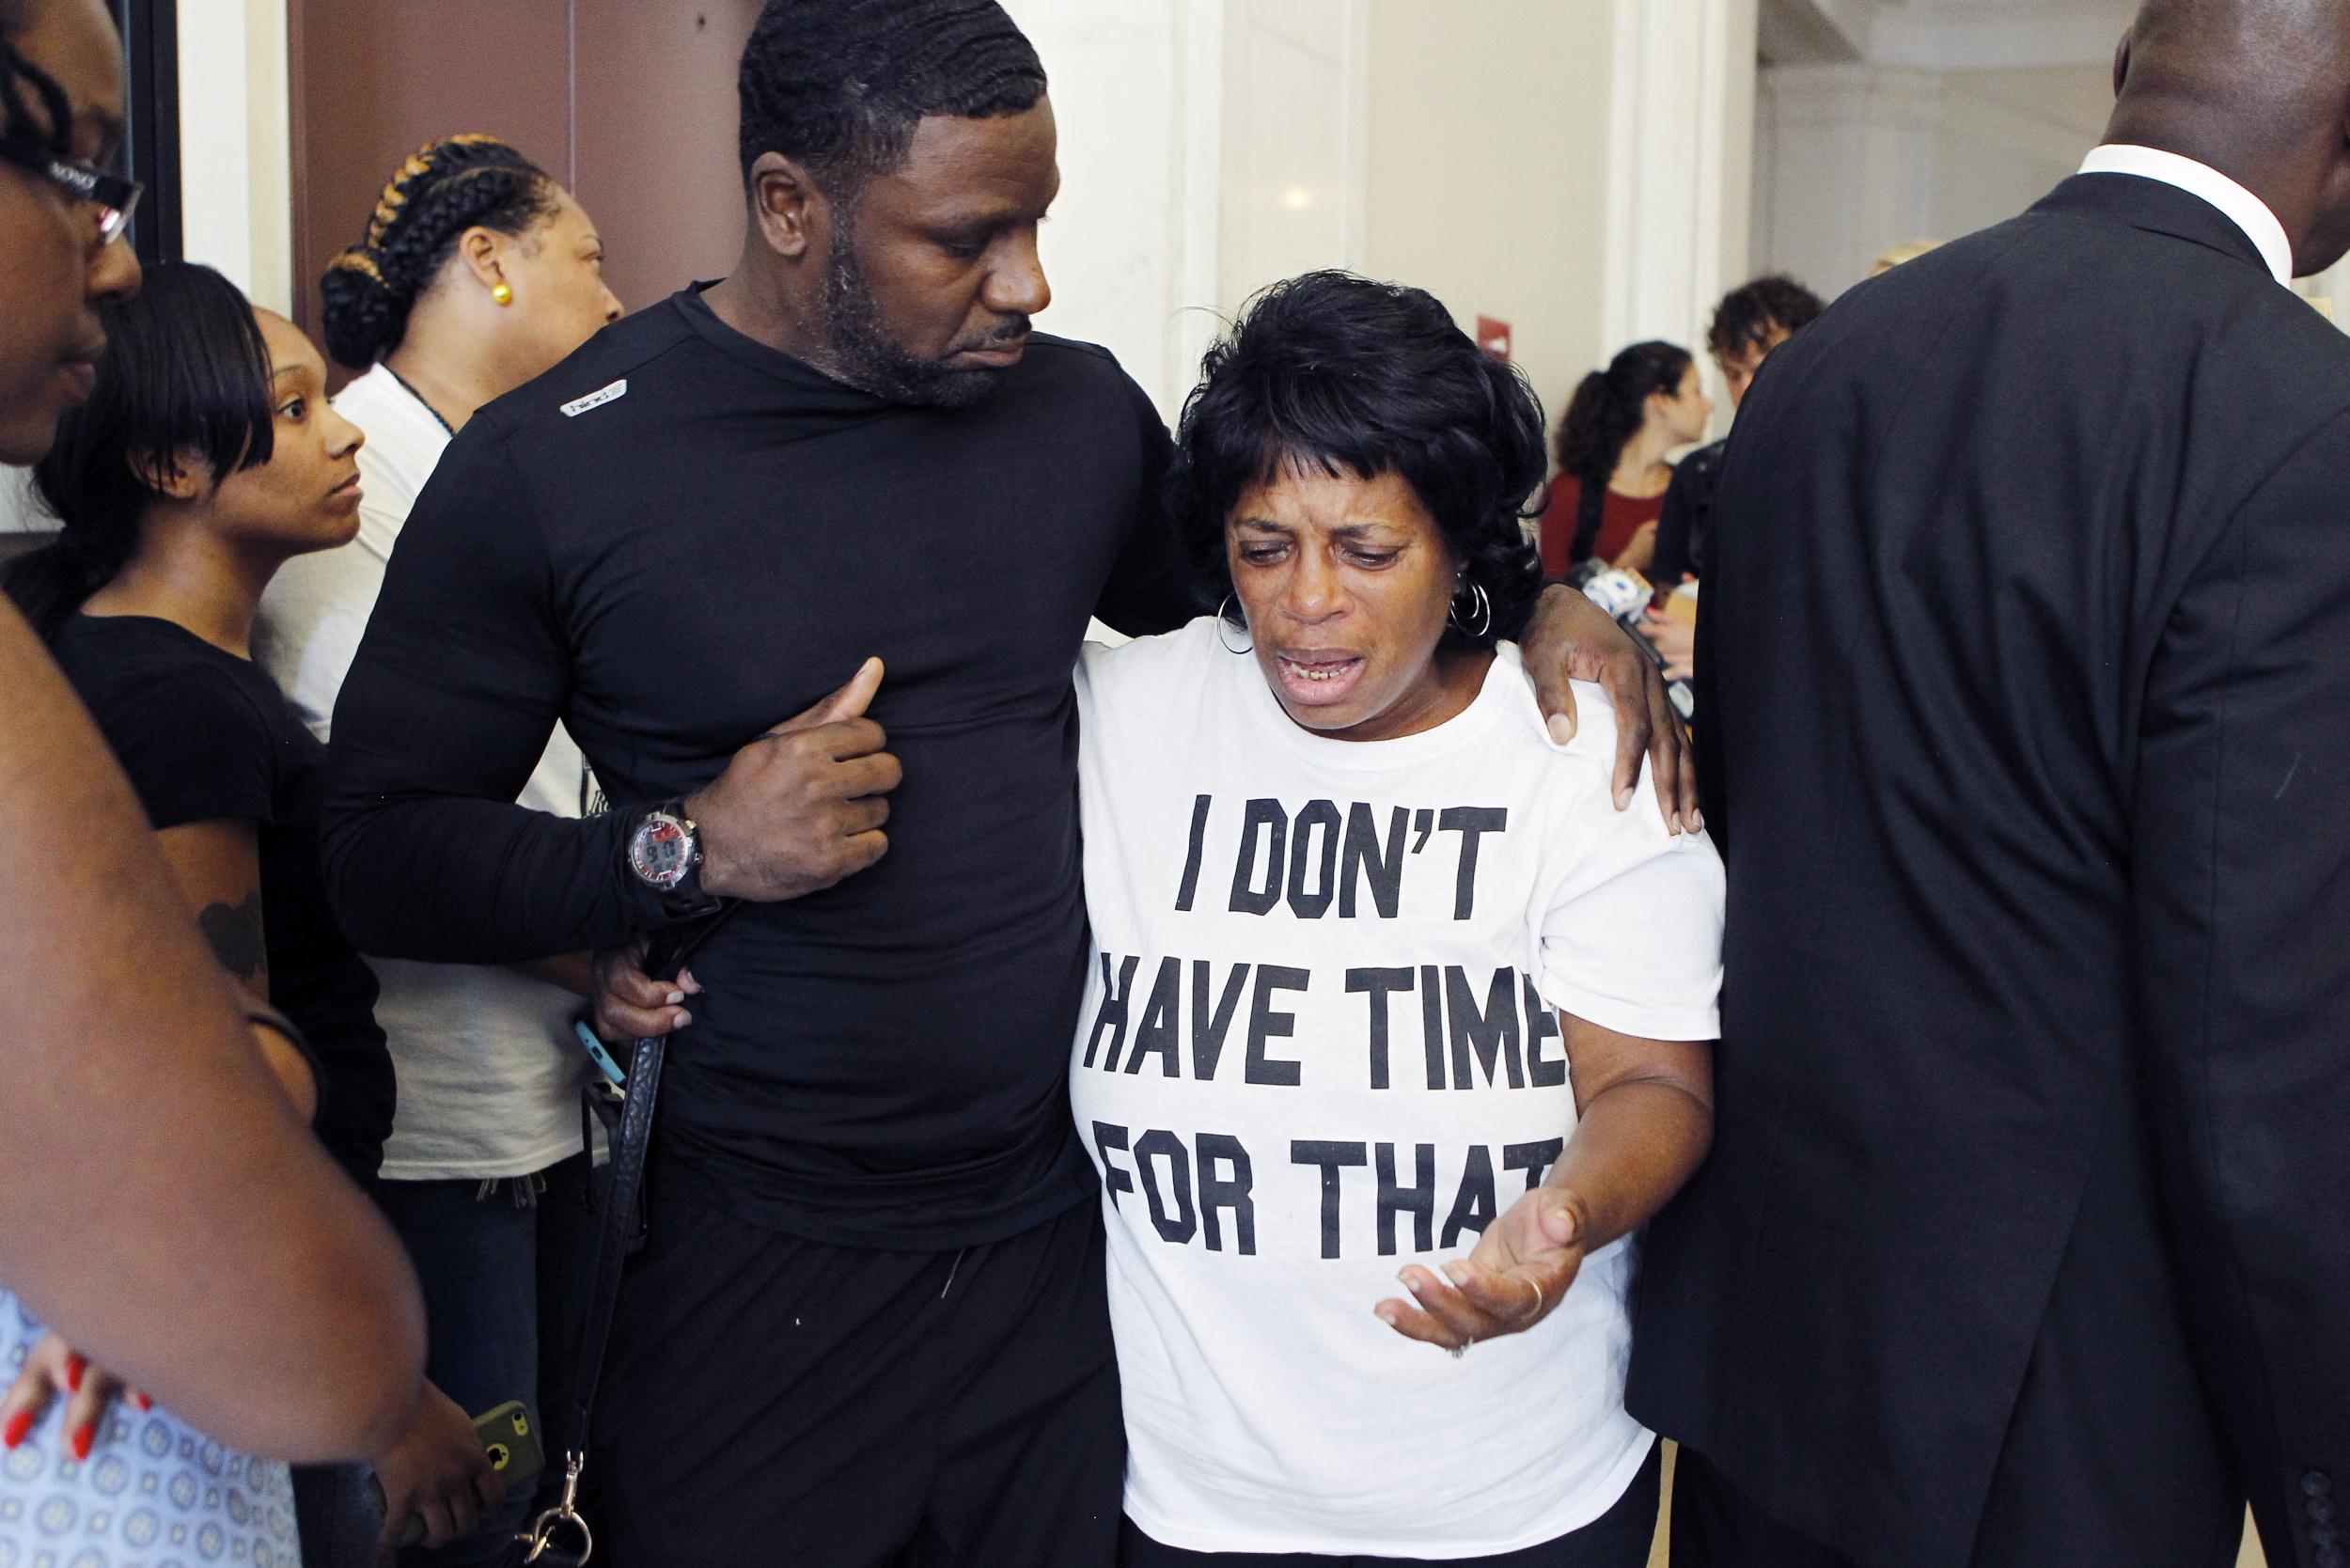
point(1456, 1351)
point(1538, 1299)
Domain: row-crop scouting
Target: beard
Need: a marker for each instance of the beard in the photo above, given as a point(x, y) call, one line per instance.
point(869, 358)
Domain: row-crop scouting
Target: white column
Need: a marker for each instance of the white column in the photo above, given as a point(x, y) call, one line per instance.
point(236, 164)
point(1680, 165)
point(1297, 108)
point(1136, 90)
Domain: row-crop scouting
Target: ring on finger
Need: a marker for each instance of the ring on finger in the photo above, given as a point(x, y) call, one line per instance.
point(1456, 1351)
point(1536, 1310)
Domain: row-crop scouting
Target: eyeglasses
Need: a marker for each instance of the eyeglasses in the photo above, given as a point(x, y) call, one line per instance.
point(114, 197)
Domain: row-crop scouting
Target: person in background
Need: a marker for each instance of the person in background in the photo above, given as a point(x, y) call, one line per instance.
point(1612, 444)
point(1903, 253)
point(1348, 480)
point(134, 1085)
point(476, 273)
point(1752, 319)
point(205, 455)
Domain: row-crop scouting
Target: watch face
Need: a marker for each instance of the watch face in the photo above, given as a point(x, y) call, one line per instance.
point(662, 851)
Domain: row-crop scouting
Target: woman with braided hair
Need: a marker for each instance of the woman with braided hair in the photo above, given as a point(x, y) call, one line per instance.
point(476, 273)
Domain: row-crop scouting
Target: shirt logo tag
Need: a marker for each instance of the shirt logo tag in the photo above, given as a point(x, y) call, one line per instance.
point(597, 399)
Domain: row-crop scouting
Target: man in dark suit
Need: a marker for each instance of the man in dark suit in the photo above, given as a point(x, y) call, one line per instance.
point(2026, 1239)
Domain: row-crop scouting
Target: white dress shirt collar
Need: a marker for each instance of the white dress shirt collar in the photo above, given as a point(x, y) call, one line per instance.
point(2245, 210)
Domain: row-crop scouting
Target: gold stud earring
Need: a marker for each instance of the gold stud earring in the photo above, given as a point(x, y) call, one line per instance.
point(501, 293)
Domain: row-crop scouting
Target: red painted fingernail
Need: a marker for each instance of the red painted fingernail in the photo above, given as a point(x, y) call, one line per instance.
point(19, 1424)
point(84, 1436)
point(74, 1367)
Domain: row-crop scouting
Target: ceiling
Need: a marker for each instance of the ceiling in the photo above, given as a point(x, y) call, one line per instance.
point(1944, 35)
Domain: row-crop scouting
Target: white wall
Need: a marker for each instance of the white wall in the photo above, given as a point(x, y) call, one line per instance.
point(235, 154)
point(1488, 180)
point(2005, 138)
point(1207, 147)
point(1681, 90)
point(1132, 242)
point(1298, 115)
point(1857, 159)
point(1492, 153)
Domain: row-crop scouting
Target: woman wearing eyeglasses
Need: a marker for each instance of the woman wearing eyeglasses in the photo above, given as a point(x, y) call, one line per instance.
point(59, 215)
point(158, 1196)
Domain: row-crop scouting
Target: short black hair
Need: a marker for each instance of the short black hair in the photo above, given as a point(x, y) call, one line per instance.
point(1353, 376)
point(839, 85)
point(445, 188)
point(1748, 315)
point(185, 370)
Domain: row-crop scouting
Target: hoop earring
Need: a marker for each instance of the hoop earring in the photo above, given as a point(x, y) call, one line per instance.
point(1221, 622)
point(1484, 614)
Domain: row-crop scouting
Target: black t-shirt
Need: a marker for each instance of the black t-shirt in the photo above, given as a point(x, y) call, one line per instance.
point(206, 737)
point(674, 541)
point(1684, 531)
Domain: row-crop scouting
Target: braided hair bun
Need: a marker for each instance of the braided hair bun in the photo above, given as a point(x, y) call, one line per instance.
point(444, 189)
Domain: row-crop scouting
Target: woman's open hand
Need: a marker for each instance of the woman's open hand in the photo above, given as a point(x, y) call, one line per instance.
point(1516, 1276)
point(53, 1368)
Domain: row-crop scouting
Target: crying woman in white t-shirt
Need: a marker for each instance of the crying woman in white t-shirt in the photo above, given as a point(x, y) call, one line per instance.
point(1396, 1030)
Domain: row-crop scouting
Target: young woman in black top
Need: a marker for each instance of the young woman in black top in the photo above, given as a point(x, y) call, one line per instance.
point(207, 456)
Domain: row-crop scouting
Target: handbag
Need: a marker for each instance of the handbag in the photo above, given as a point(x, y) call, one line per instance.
point(561, 1537)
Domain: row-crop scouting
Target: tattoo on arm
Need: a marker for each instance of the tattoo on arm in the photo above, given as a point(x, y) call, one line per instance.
point(235, 933)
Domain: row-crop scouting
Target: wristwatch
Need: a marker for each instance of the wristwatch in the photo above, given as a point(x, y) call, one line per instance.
point(665, 853)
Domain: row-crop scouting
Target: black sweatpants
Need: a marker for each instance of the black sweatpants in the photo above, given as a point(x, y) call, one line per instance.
point(772, 1400)
point(1619, 1538)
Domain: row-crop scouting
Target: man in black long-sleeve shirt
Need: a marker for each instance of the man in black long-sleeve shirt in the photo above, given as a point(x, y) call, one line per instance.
point(870, 1312)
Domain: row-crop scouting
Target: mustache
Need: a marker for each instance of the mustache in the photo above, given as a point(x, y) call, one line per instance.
point(1012, 329)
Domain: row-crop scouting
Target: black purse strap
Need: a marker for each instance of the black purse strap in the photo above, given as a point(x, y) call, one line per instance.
point(559, 1535)
point(1591, 513)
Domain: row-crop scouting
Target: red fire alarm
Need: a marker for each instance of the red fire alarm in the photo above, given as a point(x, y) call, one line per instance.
point(1493, 338)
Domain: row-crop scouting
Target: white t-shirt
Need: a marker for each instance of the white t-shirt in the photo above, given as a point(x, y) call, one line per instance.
point(1318, 1044)
point(488, 1068)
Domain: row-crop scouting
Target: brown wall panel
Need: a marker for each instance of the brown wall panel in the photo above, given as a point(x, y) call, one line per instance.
point(656, 143)
point(375, 79)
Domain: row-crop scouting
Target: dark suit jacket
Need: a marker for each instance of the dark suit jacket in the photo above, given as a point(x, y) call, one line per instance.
point(2029, 708)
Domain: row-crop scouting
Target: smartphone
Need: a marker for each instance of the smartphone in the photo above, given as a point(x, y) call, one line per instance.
point(601, 1058)
point(511, 1440)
